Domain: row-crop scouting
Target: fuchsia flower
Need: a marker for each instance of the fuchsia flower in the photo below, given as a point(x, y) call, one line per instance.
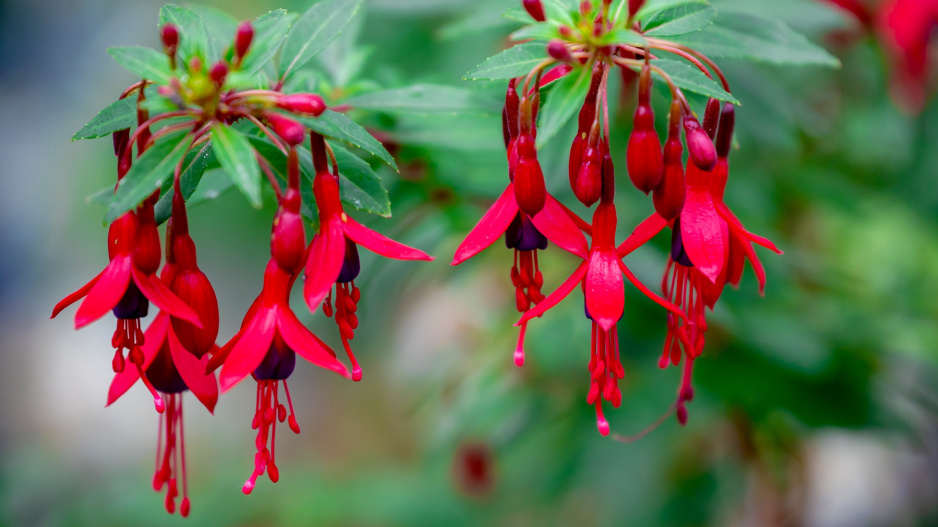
point(271, 335)
point(174, 360)
point(129, 283)
point(524, 233)
point(333, 253)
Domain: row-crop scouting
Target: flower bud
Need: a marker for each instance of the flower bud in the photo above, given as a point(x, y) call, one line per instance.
point(291, 131)
point(699, 145)
point(170, 36)
point(634, 6)
point(243, 38)
point(288, 240)
point(727, 123)
point(306, 103)
point(643, 157)
point(218, 72)
point(589, 181)
point(669, 194)
point(712, 118)
point(586, 7)
point(530, 193)
point(194, 288)
point(558, 50)
point(535, 9)
point(120, 139)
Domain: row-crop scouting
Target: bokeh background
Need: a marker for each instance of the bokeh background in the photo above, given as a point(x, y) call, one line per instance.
point(816, 405)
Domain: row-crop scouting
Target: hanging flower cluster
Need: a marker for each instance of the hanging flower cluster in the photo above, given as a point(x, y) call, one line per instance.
point(709, 245)
point(218, 111)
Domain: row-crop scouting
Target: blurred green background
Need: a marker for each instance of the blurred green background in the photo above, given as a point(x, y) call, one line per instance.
point(816, 405)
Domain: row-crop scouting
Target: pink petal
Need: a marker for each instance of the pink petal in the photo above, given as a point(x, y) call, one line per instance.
point(380, 244)
point(605, 290)
point(250, 349)
point(307, 345)
point(649, 293)
point(558, 227)
point(554, 298)
point(192, 371)
point(493, 224)
point(106, 292)
point(701, 232)
point(154, 337)
point(645, 231)
point(738, 228)
point(327, 251)
point(156, 291)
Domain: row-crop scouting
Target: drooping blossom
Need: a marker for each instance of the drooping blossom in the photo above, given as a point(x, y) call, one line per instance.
point(333, 253)
point(525, 234)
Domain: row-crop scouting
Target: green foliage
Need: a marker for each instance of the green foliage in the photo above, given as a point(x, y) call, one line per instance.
point(512, 62)
point(237, 159)
point(146, 63)
point(148, 173)
point(565, 98)
point(315, 29)
point(118, 115)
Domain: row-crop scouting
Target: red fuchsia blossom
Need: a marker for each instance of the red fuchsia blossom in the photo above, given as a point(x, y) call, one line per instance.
point(333, 253)
point(644, 159)
point(306, 103)
point(129, 283)
point(600, 276)
point(524, 233)
point(271, 336)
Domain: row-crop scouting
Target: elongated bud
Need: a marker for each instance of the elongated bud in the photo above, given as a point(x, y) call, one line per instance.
point(669, 194)
point(305, 103)
point(643, 157)
point(291, 131)
point(586, 7)
point(218, 72)
point(535, 9)
point(146, 254)
point(634, 6)
point(558, 50)
point(243, 38)
point(699, 145)
point(120, 139)
point(194, 288)
point(727, 124)
point(712, 118)
point(586, 120)
point(288, 238)
point(589, 180)
point(169, 34)
point(530, 192)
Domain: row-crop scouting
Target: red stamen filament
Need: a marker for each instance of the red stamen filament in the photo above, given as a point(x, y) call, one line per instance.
point(170, 460)
point(268, 411)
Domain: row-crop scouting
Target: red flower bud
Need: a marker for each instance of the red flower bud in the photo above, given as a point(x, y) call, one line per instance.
point(530, 193)
point(243, 38)
point(195, 64)
point(566, 31)
point(291, 131)
point(727, 123)
point(586, 7)
point(535, 9)
point(288, 238)
point(194, 288)
point(643, 157)
point(589, 181)
point(669, 194)
point(170, 36)
point(218, 72)
point(699, 145)
point(558, 50)
point(712, 118)
point(308, 103)
point(634, 6)
point(576, 158)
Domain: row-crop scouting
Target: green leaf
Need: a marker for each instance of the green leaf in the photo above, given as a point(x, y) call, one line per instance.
point(338, 126)
point(195, 166)
point(220, 27)
point(425, 99)
point(539, 31)
point(680, 20)
point(148, 173)
point(691, 79)
point(118, 115)
point(653, 7)
point(269, 32)
point(359, 186)
point(143, 62)
point(562, 102)
point(236, 156)
point(518, 14)
point(316, 28)
point(513, 62)
point(193, 35)
point(623, 36)
point(749, 36)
